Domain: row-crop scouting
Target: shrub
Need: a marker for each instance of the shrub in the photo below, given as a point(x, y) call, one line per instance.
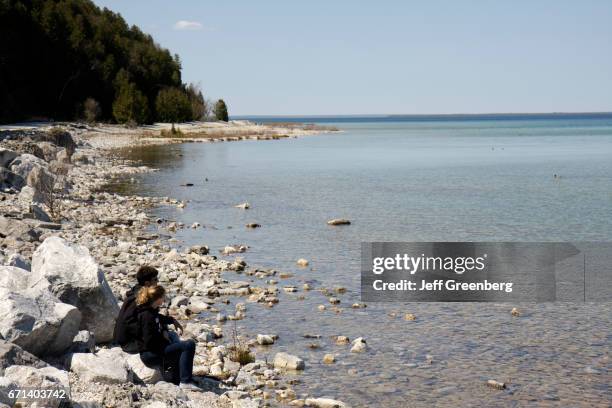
point(91, 110)
point(221, 111)
point(173, 105)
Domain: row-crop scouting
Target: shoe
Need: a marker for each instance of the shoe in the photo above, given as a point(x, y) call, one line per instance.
point(189, 387)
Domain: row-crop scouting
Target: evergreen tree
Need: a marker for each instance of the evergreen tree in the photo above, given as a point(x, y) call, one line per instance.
point(221, 111)
point(173, 105)
point(131, 105)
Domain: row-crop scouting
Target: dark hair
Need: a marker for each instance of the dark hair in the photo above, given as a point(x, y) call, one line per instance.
point(146, 274)
point(149, 294)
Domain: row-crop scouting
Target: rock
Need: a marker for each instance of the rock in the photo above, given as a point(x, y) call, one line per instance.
point(359, 345)
point(18, 261)
point(74, 277)
point(179, 300)
point(61, 138)
point(80, 157)
point(147, 375)
point(83, 342)
point(23, 164)
point(288, 361)
point(496, 384)
point(11, 354)
point(199, 249)
point(265, 339)
point(334, 300)
point(234, 249)
point(49, 151)
point(6, 157)
point(99, 368)
point(62, 156)
point(321, 308)
point(37, 321)
point(7, 399)
point(338, 221)
point(8, 180)
point(324, 403)
point(42, 181)
point(38, 213)
point(243, 206)
point(253, 225)
point(342, 340)
point(359, 305)
point(302, 262)
point(329, 359)
point(409, 317)
point(515, 312)
point(26, 376)
point(18, 229)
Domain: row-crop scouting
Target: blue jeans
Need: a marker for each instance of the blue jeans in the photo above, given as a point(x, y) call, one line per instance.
point(186, 349)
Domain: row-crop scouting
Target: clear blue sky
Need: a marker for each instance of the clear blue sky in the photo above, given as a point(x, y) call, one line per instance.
point(376, 57)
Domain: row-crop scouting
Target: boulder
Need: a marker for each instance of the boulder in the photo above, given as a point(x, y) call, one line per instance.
point(7, 156)
point(49, 150)
point(7, 399)
point(25, 163)
point(100, 368)
point(37, 321)
point(38, 213)
point(26, 376)
point(359, 345)
point(179, 300)
point(288, 361)
point(8, 179)
point(63, 156)
point(147, 375)
point(17, 229)
point(71, 274)
point(11, 354)
point(83, 342)
point(61, 138)
point(265, 339)
point(19, 261)
point(13, 278)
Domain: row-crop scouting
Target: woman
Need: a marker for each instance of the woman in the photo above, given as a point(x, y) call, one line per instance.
point(156, 342)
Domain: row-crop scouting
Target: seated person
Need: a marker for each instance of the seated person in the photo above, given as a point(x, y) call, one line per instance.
point(156, 342)
point(126, 325)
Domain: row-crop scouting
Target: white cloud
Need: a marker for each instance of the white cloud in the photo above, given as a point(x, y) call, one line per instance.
point(185, 25)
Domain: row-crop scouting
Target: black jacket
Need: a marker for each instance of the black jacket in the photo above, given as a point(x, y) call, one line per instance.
point(151, 327)
point(126, 325)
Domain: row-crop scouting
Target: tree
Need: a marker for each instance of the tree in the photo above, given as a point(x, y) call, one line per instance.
point(91, 110)
point(199, 110)
point(173, 105)
point(221, 111)
point(130, 105)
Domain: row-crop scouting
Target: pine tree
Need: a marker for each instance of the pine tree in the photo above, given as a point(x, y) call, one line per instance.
point(221, 111)
point(130, 105)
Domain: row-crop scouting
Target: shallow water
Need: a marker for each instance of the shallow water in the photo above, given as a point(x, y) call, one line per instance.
point(410, 181)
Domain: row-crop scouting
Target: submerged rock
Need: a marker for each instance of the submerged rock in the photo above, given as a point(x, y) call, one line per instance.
point(338, 221)
point(288, 361)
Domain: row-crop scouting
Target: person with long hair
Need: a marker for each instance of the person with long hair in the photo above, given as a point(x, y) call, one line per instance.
point(155, 341)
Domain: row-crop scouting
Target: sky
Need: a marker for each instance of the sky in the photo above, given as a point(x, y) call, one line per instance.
point(388, 57)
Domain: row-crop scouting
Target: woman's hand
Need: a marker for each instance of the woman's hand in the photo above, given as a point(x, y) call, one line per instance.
point(177, 326)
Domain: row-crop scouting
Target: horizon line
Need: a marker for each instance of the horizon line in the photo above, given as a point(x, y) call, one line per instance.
point(382, 115)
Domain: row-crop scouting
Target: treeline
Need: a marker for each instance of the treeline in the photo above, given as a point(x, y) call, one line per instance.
point(69, 59)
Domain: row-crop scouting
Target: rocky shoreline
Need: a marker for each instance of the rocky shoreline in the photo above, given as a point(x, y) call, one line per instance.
point(70, 251)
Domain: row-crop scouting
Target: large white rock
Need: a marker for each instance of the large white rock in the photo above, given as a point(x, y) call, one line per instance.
point(23, 164)
point(37, 321)
point(141, 372)
point(13, 278)
point(27, 376)
point(74, 277)
point(325, 403)
point(284, 360)
point(100, 368)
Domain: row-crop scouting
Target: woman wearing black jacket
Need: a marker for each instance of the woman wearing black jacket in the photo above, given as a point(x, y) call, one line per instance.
point(155, 341)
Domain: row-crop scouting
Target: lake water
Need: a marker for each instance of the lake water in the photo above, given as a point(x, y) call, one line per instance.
point(488, 179)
